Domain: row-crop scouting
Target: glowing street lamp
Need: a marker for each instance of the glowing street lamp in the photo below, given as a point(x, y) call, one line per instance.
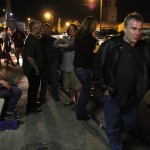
point(47, 16)
point(67, 24)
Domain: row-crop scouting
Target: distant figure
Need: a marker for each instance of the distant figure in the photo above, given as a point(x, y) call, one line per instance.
point(32, 65)
point(6, 36)
point(18, 38)
point(122, 69)
point(84, 44)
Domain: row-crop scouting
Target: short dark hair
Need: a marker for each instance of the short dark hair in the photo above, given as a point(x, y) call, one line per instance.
point(48, 25)
point(32, 24)
point(133, 15)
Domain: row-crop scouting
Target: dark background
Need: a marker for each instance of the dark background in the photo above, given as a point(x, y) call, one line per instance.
point(72, 9)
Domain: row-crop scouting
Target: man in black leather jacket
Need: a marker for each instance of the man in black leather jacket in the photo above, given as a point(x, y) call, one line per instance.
point(122, 69)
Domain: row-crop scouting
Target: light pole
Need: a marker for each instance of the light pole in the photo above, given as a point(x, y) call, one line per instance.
point(101, 14)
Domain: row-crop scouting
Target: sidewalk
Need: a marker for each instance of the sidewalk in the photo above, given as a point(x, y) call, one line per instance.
point(56, 127)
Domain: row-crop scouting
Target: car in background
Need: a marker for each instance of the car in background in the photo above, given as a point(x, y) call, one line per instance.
point(100, 35)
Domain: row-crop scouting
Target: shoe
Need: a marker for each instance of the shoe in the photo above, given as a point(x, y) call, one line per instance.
point(12, 116)
point(38, 103)
point(56, 98)
point(42, 100)
point(69, 103)
point(74, 107)
point(33, 110)
point(86, 118)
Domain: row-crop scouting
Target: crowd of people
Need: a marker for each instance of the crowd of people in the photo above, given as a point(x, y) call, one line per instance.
point(121, 68)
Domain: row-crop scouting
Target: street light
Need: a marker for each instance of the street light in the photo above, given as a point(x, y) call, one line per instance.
point(47, 16)
point(101, 14)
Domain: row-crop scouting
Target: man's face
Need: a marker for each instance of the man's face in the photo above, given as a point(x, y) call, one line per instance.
point(133, 31)
point(37, 29)
point(46, 30)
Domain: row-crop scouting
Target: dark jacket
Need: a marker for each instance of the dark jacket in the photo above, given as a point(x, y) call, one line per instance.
point(84, 47)
point(50, 53)
point(107, 58)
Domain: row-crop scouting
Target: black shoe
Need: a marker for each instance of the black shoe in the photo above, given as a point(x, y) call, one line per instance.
point(86, 118)
point(56, 98)
point(12, 116)
point(38, 103)
point(33, 110)
point(69, 103)
point(42, 100)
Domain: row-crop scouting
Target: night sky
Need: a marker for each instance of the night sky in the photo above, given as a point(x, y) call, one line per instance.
point(72, 9)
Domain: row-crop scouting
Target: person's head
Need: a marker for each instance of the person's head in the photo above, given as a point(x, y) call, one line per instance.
point(6, 29)
point(35, 27)
point(133, 25)
point(72, 30)
point(89, 24)
point(47, 29)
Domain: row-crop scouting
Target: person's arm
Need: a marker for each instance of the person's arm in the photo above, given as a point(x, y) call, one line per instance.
point(5, 84)
point(1, 75)
point(33, 64)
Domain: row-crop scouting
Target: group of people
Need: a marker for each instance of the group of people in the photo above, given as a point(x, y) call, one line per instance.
point(7, 38)
point(121, 68)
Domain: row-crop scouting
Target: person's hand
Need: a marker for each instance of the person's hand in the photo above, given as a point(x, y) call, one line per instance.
point(37, 71)
point(5, 84)
point(2, 75)
point(106, 93)
point(60, 41)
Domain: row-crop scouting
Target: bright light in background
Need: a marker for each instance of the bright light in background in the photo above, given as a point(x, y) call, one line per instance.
point(67, 24)
point(91, 4)
point(11, 14)
point(29, 19)
point(47, 16)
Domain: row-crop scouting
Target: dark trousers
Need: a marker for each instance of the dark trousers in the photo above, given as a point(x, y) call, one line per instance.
point(85, 79)
point(34, 82)
point(118, 119)
point(43, 82)
point(53, 67)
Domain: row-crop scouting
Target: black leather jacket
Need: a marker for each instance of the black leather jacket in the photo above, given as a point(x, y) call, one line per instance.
point(107, 58)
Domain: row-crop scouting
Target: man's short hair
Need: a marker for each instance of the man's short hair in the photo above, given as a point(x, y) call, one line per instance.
point(32, 24)
point(134, 15)
point(47, 24)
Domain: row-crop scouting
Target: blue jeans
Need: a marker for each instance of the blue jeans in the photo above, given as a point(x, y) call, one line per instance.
point(116, 119)
point(53, 67)
point(11, 96)
point(85, 79)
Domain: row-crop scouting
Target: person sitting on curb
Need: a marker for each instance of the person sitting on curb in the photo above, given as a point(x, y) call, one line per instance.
point(11, 94)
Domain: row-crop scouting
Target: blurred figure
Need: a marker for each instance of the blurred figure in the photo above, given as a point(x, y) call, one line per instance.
point(70, 80)
point(84, 44)
point(32, 65)
point(18, 38)
point(122, 69)
point(6, 36)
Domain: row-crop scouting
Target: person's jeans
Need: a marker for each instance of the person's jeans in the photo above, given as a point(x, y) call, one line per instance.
point(34, 82)
point(53, 67)
point(116, 119)
point(85, 79)
point(12, 97)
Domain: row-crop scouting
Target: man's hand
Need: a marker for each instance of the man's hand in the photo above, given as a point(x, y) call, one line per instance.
point(106, 92)
point(2, 75)
point(5, 84)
